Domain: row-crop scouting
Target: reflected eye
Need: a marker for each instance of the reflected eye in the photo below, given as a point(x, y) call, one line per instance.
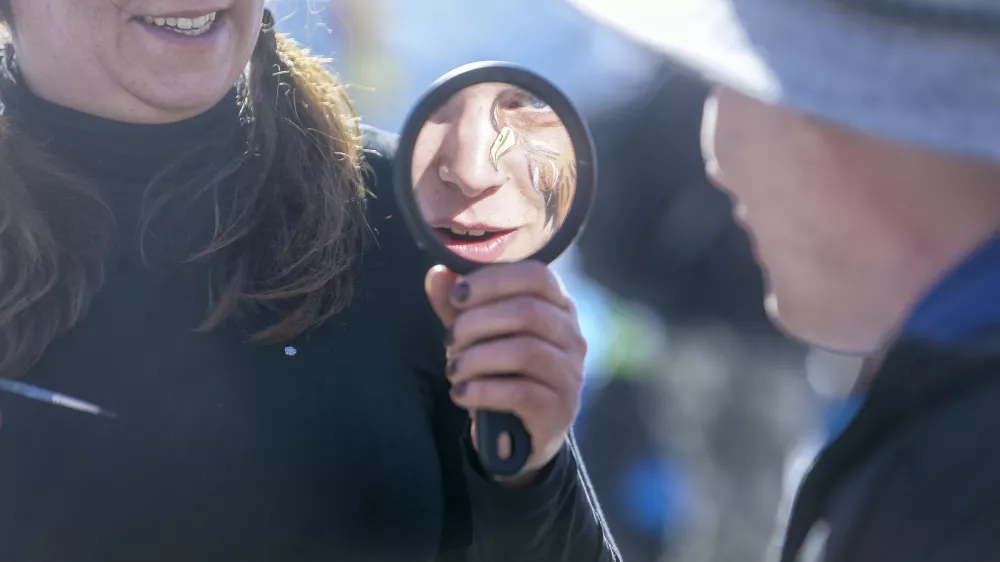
point(527, 100)
point(524, 109)
point(536, 102)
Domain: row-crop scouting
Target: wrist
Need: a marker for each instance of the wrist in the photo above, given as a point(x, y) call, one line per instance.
point(523, 480)
point(531, 476)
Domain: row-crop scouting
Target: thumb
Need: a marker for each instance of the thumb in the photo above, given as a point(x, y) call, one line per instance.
point(438, 285)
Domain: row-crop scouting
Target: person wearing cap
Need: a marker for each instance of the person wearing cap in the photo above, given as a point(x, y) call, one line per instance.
point(860, 143)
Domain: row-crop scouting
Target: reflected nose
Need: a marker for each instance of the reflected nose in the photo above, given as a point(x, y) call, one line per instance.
point(468, 165)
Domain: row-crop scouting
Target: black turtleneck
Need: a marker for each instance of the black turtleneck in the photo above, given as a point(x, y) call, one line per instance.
point(341, 445)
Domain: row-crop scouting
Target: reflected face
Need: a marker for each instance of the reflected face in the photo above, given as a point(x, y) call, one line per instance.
point(143, 61)
point(495, 173)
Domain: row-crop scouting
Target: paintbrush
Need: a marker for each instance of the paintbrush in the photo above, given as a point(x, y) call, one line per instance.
point(42, 395)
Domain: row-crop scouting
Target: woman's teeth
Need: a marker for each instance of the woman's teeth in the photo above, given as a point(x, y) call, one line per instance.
point(185, 26)
point(468, 232)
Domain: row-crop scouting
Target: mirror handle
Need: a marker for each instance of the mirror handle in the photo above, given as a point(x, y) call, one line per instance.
point(489, 427)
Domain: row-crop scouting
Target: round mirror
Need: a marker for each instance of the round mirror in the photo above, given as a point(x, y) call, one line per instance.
point(494, 172)
point(495, 165)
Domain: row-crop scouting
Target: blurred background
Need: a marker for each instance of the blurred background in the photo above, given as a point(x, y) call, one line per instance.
point(699, 417)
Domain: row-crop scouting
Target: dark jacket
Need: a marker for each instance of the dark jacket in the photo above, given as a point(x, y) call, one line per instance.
point(916, 476)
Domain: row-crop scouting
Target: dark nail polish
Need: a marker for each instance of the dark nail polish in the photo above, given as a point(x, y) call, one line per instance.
point(451, 367)
point(449, 336)
point(460, 388)
point(460, 292)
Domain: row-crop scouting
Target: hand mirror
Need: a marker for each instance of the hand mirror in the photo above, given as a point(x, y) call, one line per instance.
point(495, 165)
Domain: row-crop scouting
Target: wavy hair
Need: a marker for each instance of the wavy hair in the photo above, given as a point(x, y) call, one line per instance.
point(286, 236)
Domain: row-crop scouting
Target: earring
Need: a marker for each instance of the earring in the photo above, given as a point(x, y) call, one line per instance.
point(8, 63)
point(8, 72)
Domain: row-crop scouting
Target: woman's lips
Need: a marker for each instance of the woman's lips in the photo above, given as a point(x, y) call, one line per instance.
point(485, 249)
point(201, 30)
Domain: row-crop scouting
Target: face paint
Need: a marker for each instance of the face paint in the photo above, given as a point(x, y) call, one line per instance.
point(551, 180)
point(505, 141)
point(522, 123)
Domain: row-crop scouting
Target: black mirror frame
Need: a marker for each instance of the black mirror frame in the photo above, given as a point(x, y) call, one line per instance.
point(437, 95)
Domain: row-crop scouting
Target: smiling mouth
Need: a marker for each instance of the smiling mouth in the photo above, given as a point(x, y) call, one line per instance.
point(192, 27)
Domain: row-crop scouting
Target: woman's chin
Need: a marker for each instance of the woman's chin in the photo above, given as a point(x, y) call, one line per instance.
point(175, 84)
point(181, 98)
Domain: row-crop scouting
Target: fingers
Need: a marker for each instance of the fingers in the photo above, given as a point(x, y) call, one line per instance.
point(527, 356)
point(438, 284)
point(521, 315)
point(450, 293)
point(513, 345)
point(537, 405)
point(501, 281)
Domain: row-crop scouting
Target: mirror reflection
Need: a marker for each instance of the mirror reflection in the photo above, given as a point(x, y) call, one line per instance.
point(495, 172)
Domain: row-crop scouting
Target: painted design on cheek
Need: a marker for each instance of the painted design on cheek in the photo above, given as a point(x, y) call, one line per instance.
point(506, 140)
point(525, 122)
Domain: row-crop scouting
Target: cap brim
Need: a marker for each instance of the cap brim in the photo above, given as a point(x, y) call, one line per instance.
point(704, 35)
point(934, 87)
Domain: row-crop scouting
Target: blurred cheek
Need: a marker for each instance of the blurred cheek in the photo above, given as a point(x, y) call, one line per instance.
point(423, 152)
point(423, 175)
point(428, 157)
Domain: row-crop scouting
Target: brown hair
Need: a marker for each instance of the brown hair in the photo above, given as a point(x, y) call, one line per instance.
point(286, 241)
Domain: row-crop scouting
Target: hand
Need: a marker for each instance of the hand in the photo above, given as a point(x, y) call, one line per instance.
point(513, 319)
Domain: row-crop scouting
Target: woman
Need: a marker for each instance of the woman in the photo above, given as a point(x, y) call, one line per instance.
point(187, 254)
point(494, 172)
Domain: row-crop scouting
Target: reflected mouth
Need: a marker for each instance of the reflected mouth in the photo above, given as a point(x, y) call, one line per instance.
point(479, 245)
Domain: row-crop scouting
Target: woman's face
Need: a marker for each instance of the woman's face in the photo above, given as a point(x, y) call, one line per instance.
point(142, 61)
point(487, 168)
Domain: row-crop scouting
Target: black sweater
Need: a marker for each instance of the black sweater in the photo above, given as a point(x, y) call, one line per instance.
point(343, 446)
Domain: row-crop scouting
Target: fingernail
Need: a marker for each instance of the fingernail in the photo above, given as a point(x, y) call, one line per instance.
point(449, 336)
point(460, 292)
point(460, 388)
point(451, 367)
